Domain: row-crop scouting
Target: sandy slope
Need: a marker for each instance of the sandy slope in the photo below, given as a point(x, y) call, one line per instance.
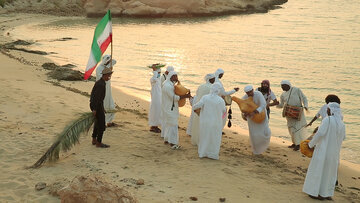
point(33, 111)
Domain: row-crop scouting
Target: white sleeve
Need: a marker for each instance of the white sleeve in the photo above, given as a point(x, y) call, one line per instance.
point(153, 78)
point(304, 99)
point(199, 104)
point(282, 101)
point(321, 132)
point(262, 101)
point(272, 96)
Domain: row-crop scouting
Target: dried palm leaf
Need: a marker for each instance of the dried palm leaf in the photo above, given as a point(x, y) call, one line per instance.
point(67, 138)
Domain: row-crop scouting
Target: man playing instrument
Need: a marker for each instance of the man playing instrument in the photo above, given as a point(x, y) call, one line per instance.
point(323, 110)
point(219, 73)
point(268, 96)
point(170, 111)
point(259, 133)
point(321, 175)
point(163, 76)
point(294, 96)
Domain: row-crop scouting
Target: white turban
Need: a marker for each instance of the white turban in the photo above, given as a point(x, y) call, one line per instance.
point(335, 110)
point(171, 73)
point(105, 59)
point(286, 82)
point(169, 69)
point(248, 88)
point(215, 88)
point(208, 77)
point(218, 72)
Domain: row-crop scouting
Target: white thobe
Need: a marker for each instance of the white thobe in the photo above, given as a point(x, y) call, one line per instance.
point(169, 113)
point(259, 133)
point(322, 112)
point(109, 103)
point(322, 172)
point(155, 104)
point(188, 129)
point(212, 110)
point(295, 127)
point(162, 78)
point(222, 94)
point(203, 89)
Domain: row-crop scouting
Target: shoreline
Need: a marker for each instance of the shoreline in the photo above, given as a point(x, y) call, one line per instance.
point(144, 153)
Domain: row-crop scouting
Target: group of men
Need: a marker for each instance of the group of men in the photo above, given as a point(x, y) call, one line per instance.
point(205, 126)
point(209, 115)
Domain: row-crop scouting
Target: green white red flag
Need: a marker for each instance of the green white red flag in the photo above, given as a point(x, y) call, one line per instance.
point(102, 39)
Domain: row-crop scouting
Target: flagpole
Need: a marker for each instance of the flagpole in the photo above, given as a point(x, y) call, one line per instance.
point(111, 46)
point(111, 54)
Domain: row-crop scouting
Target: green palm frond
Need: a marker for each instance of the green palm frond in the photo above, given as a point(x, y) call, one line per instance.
point(67, 138)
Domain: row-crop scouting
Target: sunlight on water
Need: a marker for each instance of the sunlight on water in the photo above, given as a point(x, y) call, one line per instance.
point(313, 44)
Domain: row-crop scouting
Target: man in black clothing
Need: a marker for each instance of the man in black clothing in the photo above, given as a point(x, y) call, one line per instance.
point(97, 107)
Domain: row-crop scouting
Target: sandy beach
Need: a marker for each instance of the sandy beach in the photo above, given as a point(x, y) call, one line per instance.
point(35, 108)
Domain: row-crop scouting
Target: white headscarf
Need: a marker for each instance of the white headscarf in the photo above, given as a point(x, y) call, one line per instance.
point(335, 110)
point(171, 73)
point(208, 77)
point(215, 89)
point(286, 82)
point(248, 88)
point(169, 69)
point(106, 58)
point(217, 73)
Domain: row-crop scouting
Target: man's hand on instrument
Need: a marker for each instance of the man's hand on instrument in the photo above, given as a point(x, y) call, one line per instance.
point(253, 113)
point(236, 89)
point(243, 115)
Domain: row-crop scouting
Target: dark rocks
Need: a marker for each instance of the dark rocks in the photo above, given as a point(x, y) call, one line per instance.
point(40, 186)
point(140, 182)
point(193, 198)
point(222, 199)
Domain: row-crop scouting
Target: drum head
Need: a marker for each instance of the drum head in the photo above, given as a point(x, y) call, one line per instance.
point(227, 100)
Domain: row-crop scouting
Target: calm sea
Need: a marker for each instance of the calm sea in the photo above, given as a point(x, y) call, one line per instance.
point(314, 44)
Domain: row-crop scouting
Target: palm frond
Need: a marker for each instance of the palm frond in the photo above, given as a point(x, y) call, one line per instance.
point(67, 138)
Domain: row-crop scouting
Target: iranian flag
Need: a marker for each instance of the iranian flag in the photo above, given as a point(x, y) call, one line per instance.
point(102, 39)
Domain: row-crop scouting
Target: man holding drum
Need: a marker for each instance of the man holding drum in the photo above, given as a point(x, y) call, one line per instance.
point(292, 100)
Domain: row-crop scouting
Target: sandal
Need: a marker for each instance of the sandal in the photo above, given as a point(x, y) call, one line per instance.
point(291, 146)
point(101, 145)
point(155, 130)
point(112, 124)
point(175, 147)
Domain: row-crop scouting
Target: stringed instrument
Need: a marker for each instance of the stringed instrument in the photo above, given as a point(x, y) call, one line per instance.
point(248, 106)
point(180, 90)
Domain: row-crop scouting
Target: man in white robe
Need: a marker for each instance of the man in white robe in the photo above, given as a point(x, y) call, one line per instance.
point(322, 113)
point(170, 111)
point(294, 97)
point(212, 110)
point(259, 133)
point(155, 104)
point(163, 76)
point(109, 103)
point(219, 73)
point(193, 125)
point(322, 172)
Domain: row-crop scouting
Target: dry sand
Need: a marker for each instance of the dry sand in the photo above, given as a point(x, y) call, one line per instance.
point(33, 110)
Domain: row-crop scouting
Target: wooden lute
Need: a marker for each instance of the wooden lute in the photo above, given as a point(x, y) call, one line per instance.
point(248, 106)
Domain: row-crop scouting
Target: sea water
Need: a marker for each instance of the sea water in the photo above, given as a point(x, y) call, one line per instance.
point(314, 44)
